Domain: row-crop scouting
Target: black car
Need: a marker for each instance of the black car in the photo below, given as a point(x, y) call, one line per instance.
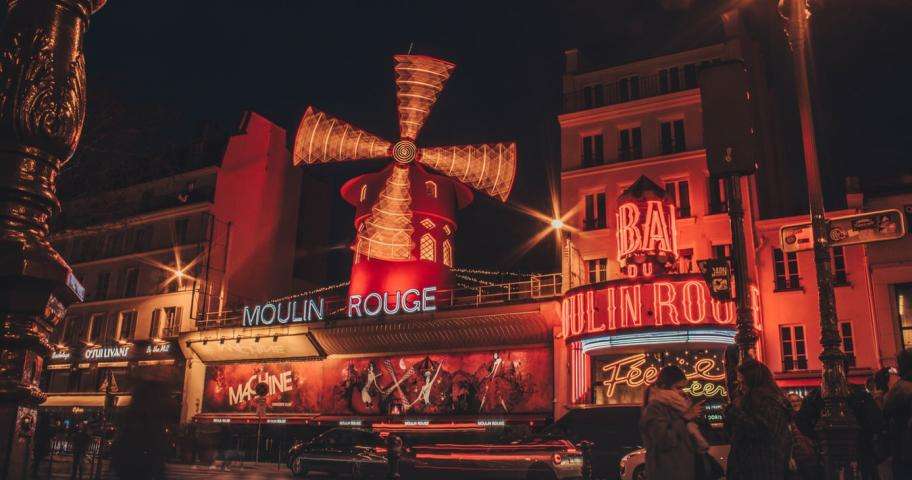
point(614, 432)
point(357, 453)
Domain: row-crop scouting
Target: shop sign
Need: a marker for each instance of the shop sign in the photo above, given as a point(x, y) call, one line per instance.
point(868, 227)
point(659, 302)
point(121, 352)
point(373, 304)
point(717, 274)
point(60, 355)
point(623, 379)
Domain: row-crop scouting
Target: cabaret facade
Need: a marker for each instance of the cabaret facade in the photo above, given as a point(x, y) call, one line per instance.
point(636, 300)
point(400, 344)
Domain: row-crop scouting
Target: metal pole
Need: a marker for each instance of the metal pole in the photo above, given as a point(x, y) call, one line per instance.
point(746, 338)
point(259, 428)
point(837, 428)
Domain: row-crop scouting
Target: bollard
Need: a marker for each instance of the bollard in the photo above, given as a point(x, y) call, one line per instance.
point(586, 448)
point(393, 452)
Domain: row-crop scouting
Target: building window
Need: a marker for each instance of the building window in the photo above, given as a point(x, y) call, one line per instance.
point(786, 269)
point(903, 305)
point(165, 322)
point(430, 188)
point(181, 226)
point(593, 150)
point(427, 247)
point(596, 216)
point(142, 238)
point(74, 330)
point(794, 355)
point(669, 80)
point(629, 88)
point(131, 279)
point(447, 250)
point(679, 192)
point(848, 342)
point(685, 260)
point(690, 75)
point(839, 267)
point(598, 270)
point(594, 96)
point(126, 328)
point(630, 144)
point(722, 251)
point(97, 326)
point(363, 194)
point(101, 285)
point(718, 199)
point(673, 137)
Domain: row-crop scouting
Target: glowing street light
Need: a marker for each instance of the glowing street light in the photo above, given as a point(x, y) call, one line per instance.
point(557, 224)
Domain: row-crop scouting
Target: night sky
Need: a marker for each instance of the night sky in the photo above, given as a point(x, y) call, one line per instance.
point(210, 60)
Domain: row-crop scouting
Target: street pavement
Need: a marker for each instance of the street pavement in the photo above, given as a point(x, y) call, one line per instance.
point(62, 467)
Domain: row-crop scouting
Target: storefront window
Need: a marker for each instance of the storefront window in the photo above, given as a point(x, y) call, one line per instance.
point(904, 312)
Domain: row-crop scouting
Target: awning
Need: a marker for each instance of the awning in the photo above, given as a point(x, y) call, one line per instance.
point(84, 400)
point(517, 324)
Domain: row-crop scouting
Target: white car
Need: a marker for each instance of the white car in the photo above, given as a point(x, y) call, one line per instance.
point(633, 465)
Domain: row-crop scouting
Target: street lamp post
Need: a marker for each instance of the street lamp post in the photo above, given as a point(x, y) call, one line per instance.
point(42, 109)
point(837, 428)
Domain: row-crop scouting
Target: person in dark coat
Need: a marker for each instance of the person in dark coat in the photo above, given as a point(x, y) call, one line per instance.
point(44, 433)
point(667, 427)
point(898, 413)
point(80, 438)
point(758, 422)
point(867, 414)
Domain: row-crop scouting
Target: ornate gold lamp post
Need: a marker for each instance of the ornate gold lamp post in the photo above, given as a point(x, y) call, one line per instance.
point(42, 108)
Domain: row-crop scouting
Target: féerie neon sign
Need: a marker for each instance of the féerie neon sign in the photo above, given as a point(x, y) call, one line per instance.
point(632, 372)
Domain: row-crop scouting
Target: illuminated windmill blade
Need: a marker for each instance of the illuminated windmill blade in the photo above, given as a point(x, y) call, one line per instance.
point(388, 231)
point(322, 138)
point(419, 80)
point(489, 168)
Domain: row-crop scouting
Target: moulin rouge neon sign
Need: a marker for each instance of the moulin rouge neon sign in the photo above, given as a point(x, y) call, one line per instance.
point(313, 309)
point(668, 301)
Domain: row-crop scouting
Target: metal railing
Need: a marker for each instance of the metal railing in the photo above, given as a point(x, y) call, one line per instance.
point(536, 287)
point(629, 89)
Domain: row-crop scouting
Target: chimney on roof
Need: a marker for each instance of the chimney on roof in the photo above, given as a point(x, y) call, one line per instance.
point(571, 60)
point(854, 195)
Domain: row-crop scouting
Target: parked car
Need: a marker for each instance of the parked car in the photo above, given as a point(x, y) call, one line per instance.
point(633, 465)
point(361, 454)
point(613, 431)
point(357, 453)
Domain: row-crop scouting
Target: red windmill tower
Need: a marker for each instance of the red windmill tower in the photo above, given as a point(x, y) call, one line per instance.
point(405, 214)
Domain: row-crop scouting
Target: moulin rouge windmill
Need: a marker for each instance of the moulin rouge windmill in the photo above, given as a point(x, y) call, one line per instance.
point(405, 214)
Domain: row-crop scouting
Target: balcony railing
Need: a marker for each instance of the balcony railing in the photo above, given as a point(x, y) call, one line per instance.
point(628, 89)
point(537, 287)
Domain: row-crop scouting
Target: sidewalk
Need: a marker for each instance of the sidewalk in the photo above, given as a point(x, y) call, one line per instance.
point(63, 463)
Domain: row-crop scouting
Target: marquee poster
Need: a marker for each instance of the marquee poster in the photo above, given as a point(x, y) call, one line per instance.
point(491, 382)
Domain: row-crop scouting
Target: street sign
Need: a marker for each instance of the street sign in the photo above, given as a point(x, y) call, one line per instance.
point(867, 227)
point(717, 274)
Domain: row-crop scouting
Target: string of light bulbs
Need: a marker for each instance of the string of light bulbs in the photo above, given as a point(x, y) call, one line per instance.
point(310, 292)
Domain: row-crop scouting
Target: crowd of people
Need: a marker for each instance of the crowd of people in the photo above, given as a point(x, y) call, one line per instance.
point(773, 435)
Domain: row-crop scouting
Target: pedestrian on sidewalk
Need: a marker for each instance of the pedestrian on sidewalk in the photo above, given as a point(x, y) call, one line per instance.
point(80, 437)
point(672, 439)
point(758, 421)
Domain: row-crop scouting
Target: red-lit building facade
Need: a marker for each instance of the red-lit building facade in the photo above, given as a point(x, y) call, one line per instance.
point(644, 119)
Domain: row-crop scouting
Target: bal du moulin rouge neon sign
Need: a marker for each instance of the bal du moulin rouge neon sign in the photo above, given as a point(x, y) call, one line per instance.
point(373, 304)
